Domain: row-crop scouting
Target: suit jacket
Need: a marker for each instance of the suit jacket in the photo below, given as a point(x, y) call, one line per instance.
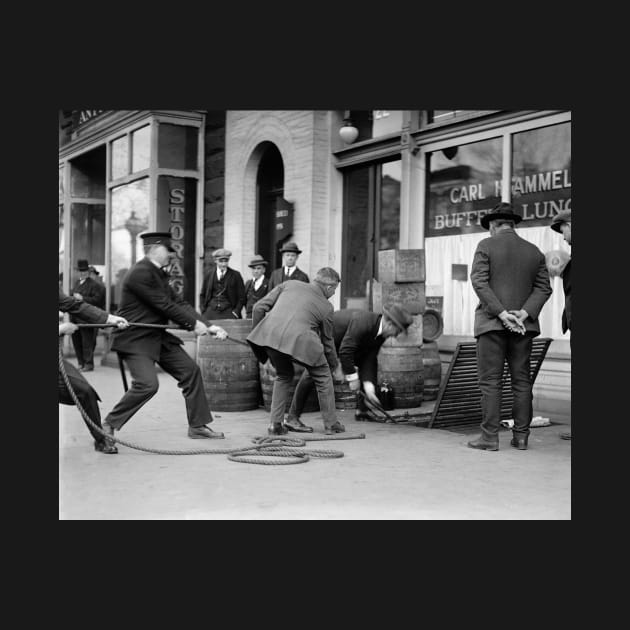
point(252, 296)
point(92, 293)
point(234, 290)
point(356, 341)
point(297, 319)
point(147, 297)
point(276, 277)
point(508, 273)
point(566, 285)
point(81, 310)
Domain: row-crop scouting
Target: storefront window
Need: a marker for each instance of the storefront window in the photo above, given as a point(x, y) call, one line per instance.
point(130, 217)
point(177, 147)
point(385, 122)
point(141, 149)
point(389, 233)
point(120, 157)
point(464, 182)
point(60, 184)
point(541, 173)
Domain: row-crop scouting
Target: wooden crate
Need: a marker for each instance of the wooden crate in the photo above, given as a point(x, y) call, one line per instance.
point(388, 293)
point(401, 265)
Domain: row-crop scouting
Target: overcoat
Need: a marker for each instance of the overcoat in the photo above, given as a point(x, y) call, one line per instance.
point(508, 273)
point(295, 318)
point(277, 277)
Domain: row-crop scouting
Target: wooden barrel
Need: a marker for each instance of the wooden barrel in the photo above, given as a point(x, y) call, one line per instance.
point(432, 369)
point(432, 324)
point(268, 376)
point(402, 368)
point(229, 370)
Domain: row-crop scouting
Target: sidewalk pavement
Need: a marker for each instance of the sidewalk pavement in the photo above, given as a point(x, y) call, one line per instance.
point(398, 472)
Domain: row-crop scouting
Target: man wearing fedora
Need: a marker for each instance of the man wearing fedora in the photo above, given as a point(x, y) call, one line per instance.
point(258, 285)
point(358, 337)
point(84, 339)
point(561, 223)
point(294, 323)
point(510, 277)
point(289, 270)
point(223, 290)
point(147, 297)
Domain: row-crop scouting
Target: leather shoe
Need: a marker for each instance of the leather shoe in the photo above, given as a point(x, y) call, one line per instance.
point(295, 424)
point(337, 427)
point(107, 443)
point(484, 445)
point(277, 428)
point(198, 433)
point(566, 435)
point(519, 442)
point(104, 447)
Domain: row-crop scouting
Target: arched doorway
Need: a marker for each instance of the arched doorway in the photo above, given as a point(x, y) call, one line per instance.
point(269, 193)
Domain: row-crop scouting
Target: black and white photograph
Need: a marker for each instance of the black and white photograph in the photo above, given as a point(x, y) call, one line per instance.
point(311, 314)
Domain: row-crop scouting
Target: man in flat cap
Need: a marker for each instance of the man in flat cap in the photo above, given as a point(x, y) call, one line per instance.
point(223, 290)
point(294, 323)
point(289, 270)
point(561, 223)
point(84, 339)
point(147, 297)
point(510, 277)
point(358, 337)
point(258, 285)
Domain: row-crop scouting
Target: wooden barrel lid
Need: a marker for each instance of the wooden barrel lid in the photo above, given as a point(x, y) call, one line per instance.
point(432, 324)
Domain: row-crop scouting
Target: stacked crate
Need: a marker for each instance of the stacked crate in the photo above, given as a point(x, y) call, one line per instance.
point(401, 280)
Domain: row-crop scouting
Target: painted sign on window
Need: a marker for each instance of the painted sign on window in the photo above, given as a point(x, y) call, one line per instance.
point(176, 213)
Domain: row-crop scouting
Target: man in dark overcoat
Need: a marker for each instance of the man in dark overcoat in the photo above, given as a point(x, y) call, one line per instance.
point(83, 312)
point(84, 339)
point(294, 323)
point(562, 223)
point(289, 270)
point(510, 277)
point(223, 290)
point(147, 297)
point(358, 336)
point(257, 286)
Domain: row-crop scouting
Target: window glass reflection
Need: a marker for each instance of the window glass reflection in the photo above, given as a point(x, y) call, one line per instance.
point(390, 205)
point(541, 173)
point(177, 146)
point(120, 157)
point(130, 217)
point(386, 121)
point(61, 184)
point(464, 183)
point(141, 149)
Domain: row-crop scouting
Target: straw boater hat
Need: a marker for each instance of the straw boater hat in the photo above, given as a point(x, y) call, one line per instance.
point(502, 210)
point(290, 247)
point(564, 216)
point(221, 253)
point(257, 260)
point(399, 315)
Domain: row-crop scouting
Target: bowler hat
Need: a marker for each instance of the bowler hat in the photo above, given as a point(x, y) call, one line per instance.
point(564, 216)
point(82, 265)
point(399, 316)
point(157, 238)
point(290, 247)
point(257, 260)
point(502, 210)
point(221, 253)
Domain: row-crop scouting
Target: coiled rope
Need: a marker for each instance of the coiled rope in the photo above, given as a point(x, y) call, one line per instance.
point(279, 448)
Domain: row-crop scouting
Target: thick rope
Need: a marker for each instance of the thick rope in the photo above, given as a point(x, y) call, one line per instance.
point(264, 446)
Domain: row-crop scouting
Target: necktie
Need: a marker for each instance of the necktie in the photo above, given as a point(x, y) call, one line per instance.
point(288, 272)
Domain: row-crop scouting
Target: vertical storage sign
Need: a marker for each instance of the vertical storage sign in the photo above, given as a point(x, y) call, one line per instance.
point(176, 213)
